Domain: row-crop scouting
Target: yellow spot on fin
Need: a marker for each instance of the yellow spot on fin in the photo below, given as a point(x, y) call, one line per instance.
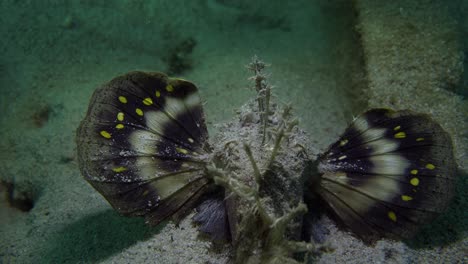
point(158, 93)
point(397, 128)
point(148, 101)
point(169, 88)
point(392, 216)
point(182, 150)
point(400, 135)
point(119, 126)
point(414, 181)
point(119, 169)
point(430, 166)
point(406, 198)
point(414, 172)
point(419, 139)
point(343, 142)
point(120, 116)
point(139, 111)
point(105, 134)
point(123, 99)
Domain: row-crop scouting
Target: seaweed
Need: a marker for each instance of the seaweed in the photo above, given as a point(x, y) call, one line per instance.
point(262, 171)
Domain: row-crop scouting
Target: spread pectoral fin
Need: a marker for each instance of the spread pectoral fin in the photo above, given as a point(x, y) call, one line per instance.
point(390, 173)
point(143, 145)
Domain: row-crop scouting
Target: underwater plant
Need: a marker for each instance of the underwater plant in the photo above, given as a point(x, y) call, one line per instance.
point(144, 146)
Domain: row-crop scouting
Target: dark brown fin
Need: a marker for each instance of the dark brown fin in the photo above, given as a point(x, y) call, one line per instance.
point(143, 145)
point(213, 220)
point(389, 173)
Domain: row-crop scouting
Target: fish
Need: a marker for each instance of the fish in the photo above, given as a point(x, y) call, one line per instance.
point(143, 145)
point(388, 174)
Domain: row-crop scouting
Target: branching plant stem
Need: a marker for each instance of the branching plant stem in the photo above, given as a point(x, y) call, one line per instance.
point(263, 93)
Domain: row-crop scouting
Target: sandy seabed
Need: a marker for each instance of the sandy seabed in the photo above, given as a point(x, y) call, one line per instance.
point(327, 60)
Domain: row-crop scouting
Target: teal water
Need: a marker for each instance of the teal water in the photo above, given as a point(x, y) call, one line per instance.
point(323, 62)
